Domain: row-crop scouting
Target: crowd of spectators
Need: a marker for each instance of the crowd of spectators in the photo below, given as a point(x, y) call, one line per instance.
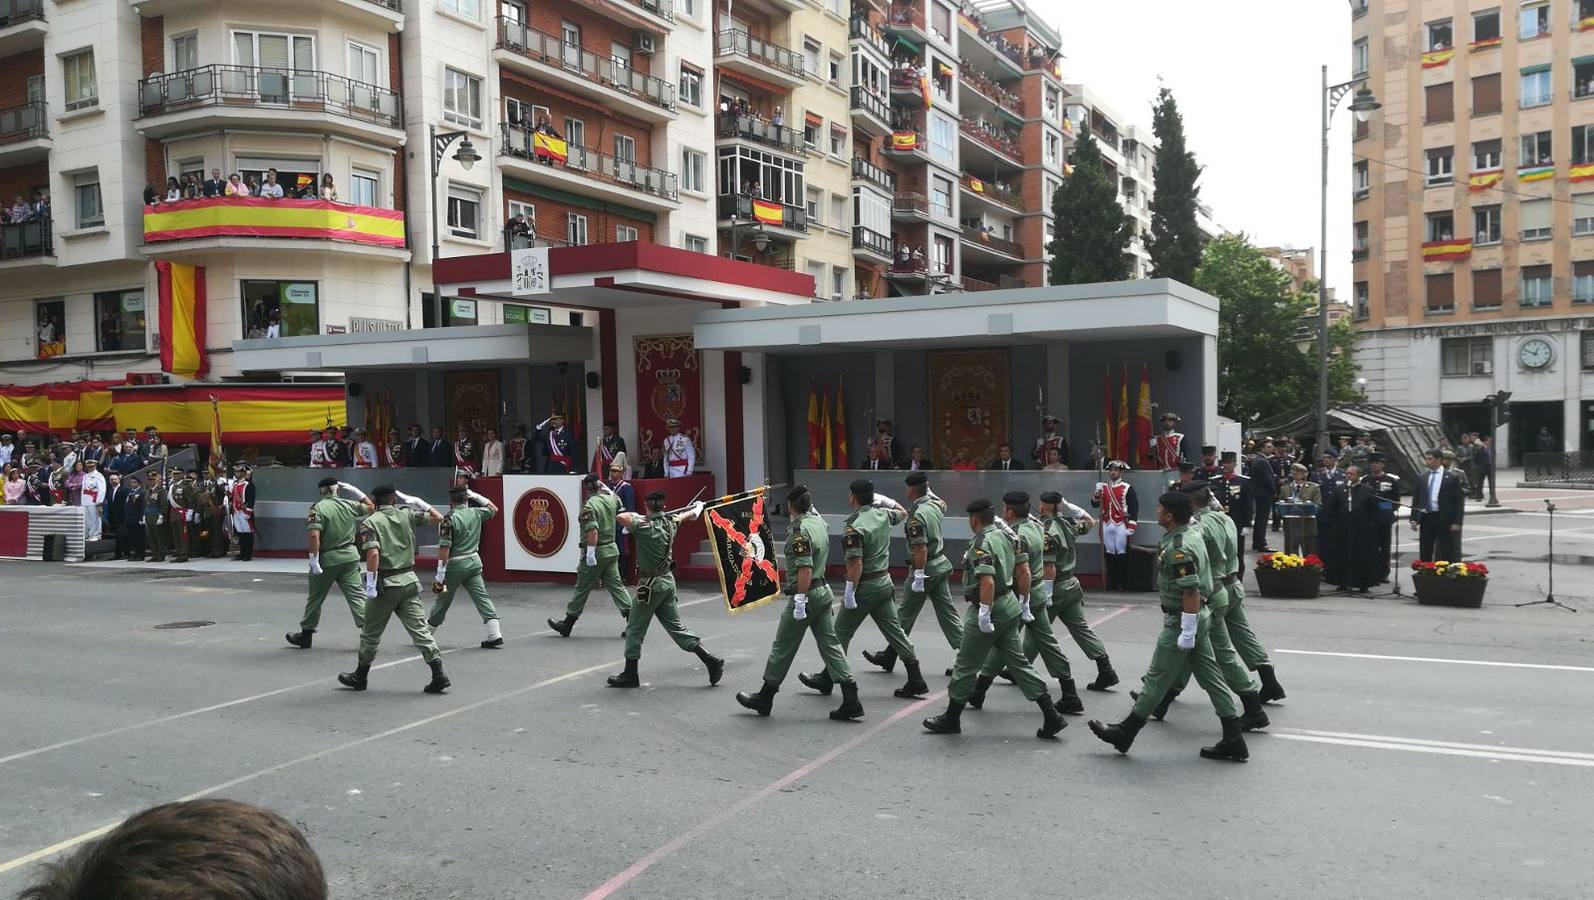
point(191, 187)
point(22, 210)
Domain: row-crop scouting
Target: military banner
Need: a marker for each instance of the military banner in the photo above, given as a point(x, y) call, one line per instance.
point(970, 394)
point(744, 551)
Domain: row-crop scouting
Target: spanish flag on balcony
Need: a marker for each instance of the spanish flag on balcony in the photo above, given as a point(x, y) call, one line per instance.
point(1586, 23)
point(546, 146)
point(904, 140)
point(238, 414)
point(1433, 59)
point(1482, 181)
point(1535, 173)
point(254, 217)
point(769, 213)
point(60, 408)
point(1583, 172)
point(182, 316)
point(1439, 251)
point(976, 185)
point(924, 88)
point(967, 23)
point(1485, 44)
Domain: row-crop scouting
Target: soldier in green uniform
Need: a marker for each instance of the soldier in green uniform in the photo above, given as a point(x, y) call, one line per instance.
point(1185, 643)
point(334, 556)
point(600, 559)
point(387, 538)
point(654, 534)
point(869, 593)
point(459, 563)
point(1066, 599)
point(930, 574)
point(182, 499)
point(156, 505)
point(992, 625)
point(811, 609)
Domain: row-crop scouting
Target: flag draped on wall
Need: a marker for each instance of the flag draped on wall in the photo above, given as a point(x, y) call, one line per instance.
point(1124, 442)
point(816, 455)
point(250, 414)
point(60, 408)
point(182, 316)
point(1143, 426)
point(841, 429)
point(546, 146)
point(1109, 438)
point(1482, 181)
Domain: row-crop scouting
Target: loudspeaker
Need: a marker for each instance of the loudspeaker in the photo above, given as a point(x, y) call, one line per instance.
point(355, 389)
point(745, 375)
point(1173, 360)
point(593, 381)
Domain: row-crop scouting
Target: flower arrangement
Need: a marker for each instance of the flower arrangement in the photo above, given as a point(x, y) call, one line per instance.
point(1288, 561)
point(1446, 569)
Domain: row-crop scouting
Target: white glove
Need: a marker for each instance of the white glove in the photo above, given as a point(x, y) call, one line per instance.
point(849, 597)
point(472, 495)
point(1024, 613)
point(315, 564)
point(592, 557)
point(881, 500)
point(414, 503)
point(985, 619)
point(799, 606)
point(544, 423)
point(1046, 593)
point(918, 580)
point(1187, 630)
point(351, 490)
point(442, 574)
point(370, 585)
point(697, 508)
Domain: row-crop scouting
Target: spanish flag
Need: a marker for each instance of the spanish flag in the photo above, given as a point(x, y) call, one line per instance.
point(1433, 59)
point(546, 146)
point(1482, 181)
point(904, 140)
point(1124, 442)
point(924, 88)
point(217, 465)
point(768, 212)
point(1486, 43)
point(1586, 23)
point(967, 23)
point(815, 454)
point(1109, 444)
point(1439, 251)
point(1143, 409)
point(976, 185)
point(184, 220)
point(1583, 172)
point(182, 317)
point(243, 414)
point(824, 424)
point(841, 428)
point(59, 408)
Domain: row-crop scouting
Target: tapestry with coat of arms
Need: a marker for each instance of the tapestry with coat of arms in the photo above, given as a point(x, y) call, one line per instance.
point(669, 386)
point(970, 397)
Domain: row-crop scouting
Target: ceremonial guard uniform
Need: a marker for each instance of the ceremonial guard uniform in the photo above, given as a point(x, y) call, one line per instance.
point(1386, 497)
point(554, 439)
point(1063, 589)
point(243, 513)
point(323, 454)
point(930, 571)
point(1049, 440)
point(1120, 511)
point(157, 504)
point(1166, 449)
point(364, 451)
point(655, 590)
point(680, 456)
point(334, 557)
point(391, 586)
point(601, 558)
point(459, 562)
point(811, 609)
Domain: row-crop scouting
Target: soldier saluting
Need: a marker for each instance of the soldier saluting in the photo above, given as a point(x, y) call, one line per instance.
point(459, 564)
point(556, 446)
point(387, 538)
point(330, 530)
point(655, 590)
point(1062, 589)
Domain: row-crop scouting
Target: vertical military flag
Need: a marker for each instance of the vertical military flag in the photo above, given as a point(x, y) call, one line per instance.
point(1143, 427)
point(841, 428)
point(824, 414)
point(1124, 441)
point(1109, 444)
point(744, 556)
point(217, 465)
point(181, 291)
point(815, 455)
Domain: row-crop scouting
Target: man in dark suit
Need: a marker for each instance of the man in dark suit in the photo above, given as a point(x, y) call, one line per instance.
point(877, 460)
point(1004, 461)
point(918, 461)
point(215, 185)
point(132, 504)
point(115, 496)
point(1437, 509)
point(1264, 491)
point(439, 451)
point(417, 452)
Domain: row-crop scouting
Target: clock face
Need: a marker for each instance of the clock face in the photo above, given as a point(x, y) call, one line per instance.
point(1536, 354)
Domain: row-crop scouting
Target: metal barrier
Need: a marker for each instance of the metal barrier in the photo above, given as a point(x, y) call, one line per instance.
point(1558, 468)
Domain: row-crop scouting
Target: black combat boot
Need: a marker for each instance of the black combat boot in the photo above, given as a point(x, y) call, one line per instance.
point(1052, 721)
point(982, 683)
point(563, 627)
point(850, 708)
point(1105, 676)
point(1121, 735)
point(761, 702)
point(355, 680)
point(1068, 698)
point(1161, 711)
point(915, 688)
point(1232, 747)
point(1271, 689)
point(714, 665)
point(949, 722)
point(886, 659)
point(1254, 718)
point(300, 639)
point(821, 682)
point(628, 678)
point(439, 682)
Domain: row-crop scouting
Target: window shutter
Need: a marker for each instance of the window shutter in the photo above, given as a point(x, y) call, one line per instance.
point(1486, 287)
point(1535, 214)
point(1441, 291)
point(273, 51)
point(1441, 103)
point(1485, 94)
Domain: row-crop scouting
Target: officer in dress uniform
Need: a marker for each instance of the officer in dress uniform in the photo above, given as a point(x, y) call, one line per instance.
point(680, 456)
point(1208, 469)
point(184, 500)
point(1386, 488)
point(464, 452)
point(600, 561)
point(156, 505)
point(1049, 440)
point(334, 556)
point(654, 534)
point(1232, 490)
point(364, 451)
point(1166, 449)
point(610, 446)
point(320, 458)
point(1120, 511)
point(556, 445)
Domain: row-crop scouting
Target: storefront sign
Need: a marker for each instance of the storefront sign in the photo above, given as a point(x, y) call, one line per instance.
point(462, 309)
point(298, 292)
point(360, 325)
point(1528, 326)
point(515, 314)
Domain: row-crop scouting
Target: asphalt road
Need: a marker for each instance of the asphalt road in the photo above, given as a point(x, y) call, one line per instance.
point(1421, 752)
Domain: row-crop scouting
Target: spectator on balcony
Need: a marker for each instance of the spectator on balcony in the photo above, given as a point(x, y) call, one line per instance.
point(274, 324)
point(152, 194)
point(214, 186)
point(253, 185)
point(19, 209)
point(329, 191)
point(191, 187)
point(41, 207)
point(174, 190)
point(271, 190)
point(904, 255)
point(236, 186)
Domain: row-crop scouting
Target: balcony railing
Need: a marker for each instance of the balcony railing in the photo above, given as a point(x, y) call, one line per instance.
point(15, 12)
point(859, 29)
point(994, 191)
point(988, 88)
point(518, 142)
point(551, 50)
point(23, 239)
point(907, 80)
point(522, 241)
point(873, 241)
point(1000, 245)
point(385, 4)
point(910, 203)
point(970, 283)
point(868, 171)
point(905, 140)
point(740, 43)
point(905, 16)
point(760, 130)
point(25, 122)
point(996, 140)
point(259, 87)
point(866, 101)
point(794, 218)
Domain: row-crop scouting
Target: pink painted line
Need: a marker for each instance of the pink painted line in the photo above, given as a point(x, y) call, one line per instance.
point(608, 888)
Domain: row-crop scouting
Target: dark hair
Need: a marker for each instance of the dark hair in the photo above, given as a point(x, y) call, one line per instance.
point(798, 499)
point(325, 483)
point(217, 849)
point(862, 491)
point(656, 500)
point(382, 493)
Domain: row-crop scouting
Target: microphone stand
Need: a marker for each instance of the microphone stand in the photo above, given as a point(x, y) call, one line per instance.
point(1549, 596)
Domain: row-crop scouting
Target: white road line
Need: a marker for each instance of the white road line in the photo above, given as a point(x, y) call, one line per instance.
point(1374, 742)
point(1435, 659)
point(1424, 742)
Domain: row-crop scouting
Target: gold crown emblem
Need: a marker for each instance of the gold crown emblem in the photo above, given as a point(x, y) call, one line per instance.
point(668, 376)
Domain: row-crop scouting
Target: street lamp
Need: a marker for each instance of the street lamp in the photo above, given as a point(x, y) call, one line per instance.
point(1363, 105)
point(760, 239)
point(466, 156)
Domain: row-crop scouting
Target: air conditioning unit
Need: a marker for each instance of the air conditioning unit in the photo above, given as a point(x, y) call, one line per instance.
point(645, 43)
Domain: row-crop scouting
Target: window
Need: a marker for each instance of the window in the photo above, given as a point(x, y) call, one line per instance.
point(1486, 94)
point(1535, 217)
point(1536, 286)
point(816, 271)
point(1486, 225)
point(1441, 162)
point(470, 9)
point(365, 188)
point(774, 175)
point(462, 98)
point(86, 199)
point(280, 309)
point(1359, 57)
point(1534, 21)
point(813, 203)
point(522, 208)
point(576, 228)
point(833, 74)
point(1467, 355)
point(120, 318)
point(1441, 226)
point(1582, 214)
point(812, 50)
point(1583, 289)
point(291, 173)
point(464, 211)
point(623, 233)
point(1054, 149)
point(77, 73)
point(1583, 77)
point(1536, 149)
point(365, 64)
point(35, 89)
point(688, 8)
point(1485, 155)
point(838, 283)
point(1440, 35)
point(941, 257)
point(570, 33)
point(813, 127)
point(514, 12)
point(695, 244)
point(575, 132)
point(1535, 86)
point(50, 316)
point(185, 52)
point(1486, 25)
point(1359, 241)
point(838, 141)
point(691, 92)
point(941, 196)
point(1440, 100)
point(1360, 180)
point(838, 210)
point(943, 138)
point(1441, 292)
point(1582, 144)
point(294, 52)
point(625, 148)
point(694, 166)
point(1485, 288)
point(1362, 308)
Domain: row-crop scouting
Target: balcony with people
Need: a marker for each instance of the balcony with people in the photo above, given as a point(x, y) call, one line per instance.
point(995, 195)
point(982, 241)
point(564, 62)
point(988, 142)
point(759, 120)
point(232, 97)
point(539, 153)
point(981, 91)
point(27, 232)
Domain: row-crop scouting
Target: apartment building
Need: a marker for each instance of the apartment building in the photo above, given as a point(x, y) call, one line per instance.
point(1473, 199)
point(1130, 154)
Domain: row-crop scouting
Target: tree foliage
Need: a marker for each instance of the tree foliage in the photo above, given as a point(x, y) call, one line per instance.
point(1092, 230)
point(1175, 243)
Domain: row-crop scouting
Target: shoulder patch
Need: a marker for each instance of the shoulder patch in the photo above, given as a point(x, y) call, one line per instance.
point(314, 518)
point(801, 545)
point(851, 538)
point(445, 529)
point(366, 532)
point(914, 528)
point(1051, 544)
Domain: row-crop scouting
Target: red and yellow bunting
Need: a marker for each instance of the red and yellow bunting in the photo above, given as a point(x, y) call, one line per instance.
point(59, 408)
point(1440, 251)
point(182, 316)
point(255, 217)
point(1583, 172)
point(1485, 44)
point(976, 185)
point(546, 146)
point(247, 414)
point(1433, 59)
point(967, 23)
point(1482, 181)
point(1586, 23)
point(768, 212)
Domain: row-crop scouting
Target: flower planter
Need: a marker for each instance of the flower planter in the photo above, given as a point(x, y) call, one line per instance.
point(1438, 590)
point(1299, 583)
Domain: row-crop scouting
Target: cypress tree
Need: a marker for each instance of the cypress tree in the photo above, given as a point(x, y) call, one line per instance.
point(1175, 242)
point(1091, 230)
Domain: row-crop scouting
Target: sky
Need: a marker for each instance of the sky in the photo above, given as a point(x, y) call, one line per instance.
point(1248, 79)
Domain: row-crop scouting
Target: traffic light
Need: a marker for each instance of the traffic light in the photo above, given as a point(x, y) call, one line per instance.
point(1500, 404)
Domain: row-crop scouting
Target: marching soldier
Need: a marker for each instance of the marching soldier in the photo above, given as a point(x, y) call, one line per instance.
point(655, 589)
point(600, 561)
point(1067, 598)
point(1120, 512)
point(930, 570)
point(558, 455)
point(1166, 448)
point(869, 593)
point(1386, 491)
point(387, 538)
point(459, 564)
point(811, 609)
point(331, 530)
point(156, 506)
point(680, 456)
point(1208, 470)
point(183, 499)
point(1185, 642)
point(1049, 440)
point(992, 624)
point(1238, 627)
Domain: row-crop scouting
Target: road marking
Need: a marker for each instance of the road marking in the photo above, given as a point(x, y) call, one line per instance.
point(1445, 748)
point(630, 873)
point(1435, 659)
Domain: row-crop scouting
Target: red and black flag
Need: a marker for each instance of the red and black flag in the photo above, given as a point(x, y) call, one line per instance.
point(744, 551)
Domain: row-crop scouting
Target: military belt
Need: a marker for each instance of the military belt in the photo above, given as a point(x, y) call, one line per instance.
point(1226, 580)
point(870, 576)
point(388, 573)
point(471, 555)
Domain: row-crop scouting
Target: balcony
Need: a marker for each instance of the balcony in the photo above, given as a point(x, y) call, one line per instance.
point(22, 26)
point(861, 33)
point(990, 143)
point(27, 244)
point(909, 89)
point(220, 96)
point(905, 143)
point(986, 88)
point(388, 12)
point(24, 133)
point(659, 14)
point(992, 53)
point(225, 225)
point(909, 22)
point(990, 246)
point(871, 245)
point(757, 58)
point(999, 197)
point(744, 127)
point(969, 284)
point(867, 172)
point(524, 49)
point(773, 214)
point(585, 171)
point(870, 112)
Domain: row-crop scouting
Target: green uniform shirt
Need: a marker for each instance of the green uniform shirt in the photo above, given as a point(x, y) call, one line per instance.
point(655, 544)
point(1222, 545)
point(155, 500)
point(807, 547)
point(461, 530)
point(923, 529)
point(989, 553)
point(184, 494)
point(336, 519)
point(1034, 543)
point(1181, 564)
point(1062, 534)
point(598, 513)
point(391, 531)
point(867, 536)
